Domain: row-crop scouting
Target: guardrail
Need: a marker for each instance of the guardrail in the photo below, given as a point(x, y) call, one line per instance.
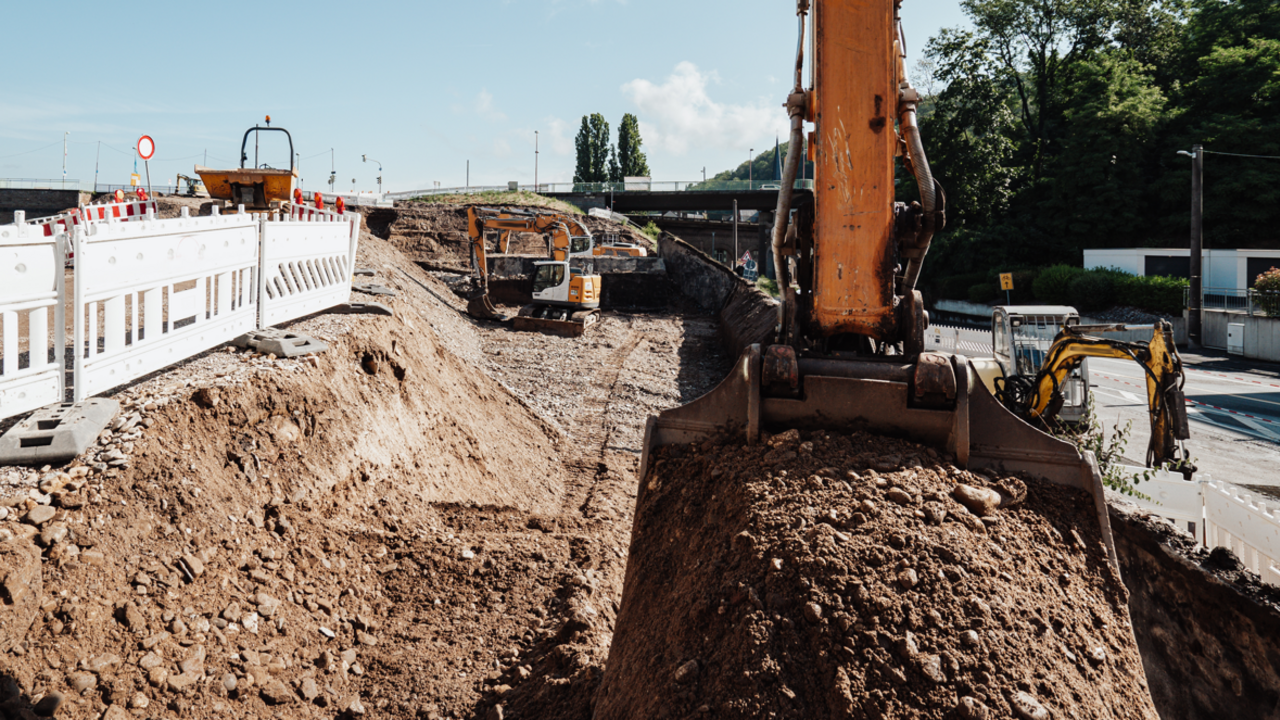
point(32, 321)
point(1218, 514)
point(42, 184)
point(607, 187)
point(148, 293)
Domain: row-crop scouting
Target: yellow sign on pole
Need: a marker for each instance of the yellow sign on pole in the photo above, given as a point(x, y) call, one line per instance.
point(1006, 281)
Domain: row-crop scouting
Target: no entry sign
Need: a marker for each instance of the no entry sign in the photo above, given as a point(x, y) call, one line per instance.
point(146, 147)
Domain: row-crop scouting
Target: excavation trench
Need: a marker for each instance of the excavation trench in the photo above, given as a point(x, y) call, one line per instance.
point(434, 518)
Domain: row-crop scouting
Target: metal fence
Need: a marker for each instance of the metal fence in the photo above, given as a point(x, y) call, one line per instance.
point(43, 184)
point(608, 187)
point(1251, 302)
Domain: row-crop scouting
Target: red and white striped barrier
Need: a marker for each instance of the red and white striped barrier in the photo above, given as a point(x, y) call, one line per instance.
point(136, 210)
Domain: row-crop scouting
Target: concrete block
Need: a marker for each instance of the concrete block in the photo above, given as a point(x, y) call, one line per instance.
point(56, 434)
point(281, 343)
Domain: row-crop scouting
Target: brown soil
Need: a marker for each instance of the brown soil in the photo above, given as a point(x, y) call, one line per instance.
point(798, 581)
point(427, 520)
point(436, 233)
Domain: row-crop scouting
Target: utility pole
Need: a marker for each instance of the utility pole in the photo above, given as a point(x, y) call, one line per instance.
point(735, 230)
point(96, 158)
point(704, 174)
point(468, 177)
point(64, 158)
point(333, 174)
point(535, 161)
point(750, 181)
point(1197, 244)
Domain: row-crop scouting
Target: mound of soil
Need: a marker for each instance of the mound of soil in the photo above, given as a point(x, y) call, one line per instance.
point(838, 576)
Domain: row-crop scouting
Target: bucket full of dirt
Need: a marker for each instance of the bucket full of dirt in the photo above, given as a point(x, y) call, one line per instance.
point(840, 576)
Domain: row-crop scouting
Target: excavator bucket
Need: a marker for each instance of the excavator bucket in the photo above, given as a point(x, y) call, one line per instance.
point(939, 401)
point(480, 307)
point(535, 319)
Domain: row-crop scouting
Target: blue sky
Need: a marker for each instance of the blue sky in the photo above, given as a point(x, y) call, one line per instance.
point(424, 87)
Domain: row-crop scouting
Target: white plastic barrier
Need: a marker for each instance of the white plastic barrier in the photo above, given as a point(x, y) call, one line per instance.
point(32, 317)
point(1224, 515)
point(306, 264)
point(1172, 497)
point(1238, 520)
point(152, 293)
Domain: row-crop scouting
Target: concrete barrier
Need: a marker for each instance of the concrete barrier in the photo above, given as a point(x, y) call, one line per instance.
point(746, 314)
point(1261, 333)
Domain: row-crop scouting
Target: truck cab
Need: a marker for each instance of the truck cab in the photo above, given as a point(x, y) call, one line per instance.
point(1021, 336)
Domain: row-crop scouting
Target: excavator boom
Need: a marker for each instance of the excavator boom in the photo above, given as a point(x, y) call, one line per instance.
point(849, 350)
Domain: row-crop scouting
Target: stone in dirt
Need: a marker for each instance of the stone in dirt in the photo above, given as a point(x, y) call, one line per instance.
point(276, 692)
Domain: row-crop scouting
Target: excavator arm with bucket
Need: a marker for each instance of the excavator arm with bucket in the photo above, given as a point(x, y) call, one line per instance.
point(849, 347)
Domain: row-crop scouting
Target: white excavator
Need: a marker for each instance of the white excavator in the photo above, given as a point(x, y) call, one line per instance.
point(566, 298)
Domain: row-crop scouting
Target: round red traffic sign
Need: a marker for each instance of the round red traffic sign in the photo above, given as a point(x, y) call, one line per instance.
point(146, 147)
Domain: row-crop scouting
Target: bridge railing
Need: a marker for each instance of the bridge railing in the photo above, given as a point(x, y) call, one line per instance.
point(597, 188)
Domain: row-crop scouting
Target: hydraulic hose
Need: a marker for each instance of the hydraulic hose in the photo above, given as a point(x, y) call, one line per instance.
point(928, 195)
point(796, 104)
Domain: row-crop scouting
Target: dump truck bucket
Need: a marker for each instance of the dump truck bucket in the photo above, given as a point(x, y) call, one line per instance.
point(531, 319)
point(479, 306)
point(253, 188)
point(886, 398)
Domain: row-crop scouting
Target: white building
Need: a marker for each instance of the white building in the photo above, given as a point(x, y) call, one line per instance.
point(1222, 269)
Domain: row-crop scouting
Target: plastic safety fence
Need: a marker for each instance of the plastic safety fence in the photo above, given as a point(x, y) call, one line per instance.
point(153, 293)
point(306, 263)
point(32, 318)
point(1218, 514)
point(1241, 521)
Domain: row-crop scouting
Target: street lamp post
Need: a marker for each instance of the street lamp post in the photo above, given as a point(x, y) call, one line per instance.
point(750, 180)
point(365, 158)
point(1195, 295)
point(535, 161)
point(64, 157)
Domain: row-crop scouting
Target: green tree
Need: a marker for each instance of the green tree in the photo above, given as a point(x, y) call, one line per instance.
point(631, 159)
point(592, 146)
point(1112, 120)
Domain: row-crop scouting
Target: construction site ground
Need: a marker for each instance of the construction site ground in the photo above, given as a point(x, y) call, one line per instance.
point(428, 520)
point(433, 519)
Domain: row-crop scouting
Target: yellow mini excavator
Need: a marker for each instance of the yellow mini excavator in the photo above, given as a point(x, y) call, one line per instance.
point(849, 347)
point(566, 299)
point(1037, 395)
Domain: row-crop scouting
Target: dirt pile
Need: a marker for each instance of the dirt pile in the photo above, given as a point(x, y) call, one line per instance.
point(436, 233)
point(426, 521)
point(839, 576)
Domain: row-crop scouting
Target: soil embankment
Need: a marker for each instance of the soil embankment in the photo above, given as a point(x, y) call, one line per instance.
point(425, 521)
point(1206, 627)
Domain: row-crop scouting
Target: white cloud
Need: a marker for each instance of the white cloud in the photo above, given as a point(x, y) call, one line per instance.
point(680, 114)
point(501, 148)
point(482, 107)
point(557, 136)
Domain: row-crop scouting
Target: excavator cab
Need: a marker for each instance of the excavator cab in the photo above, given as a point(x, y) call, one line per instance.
point(1022, 336)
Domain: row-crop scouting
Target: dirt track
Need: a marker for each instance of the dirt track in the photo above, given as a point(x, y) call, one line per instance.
point(428, 520)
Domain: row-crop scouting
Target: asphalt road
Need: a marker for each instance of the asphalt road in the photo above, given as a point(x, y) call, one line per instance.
point(1233, 406)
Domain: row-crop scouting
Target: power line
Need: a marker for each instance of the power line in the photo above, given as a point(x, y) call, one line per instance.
point(28, 152)
point(1260, 157)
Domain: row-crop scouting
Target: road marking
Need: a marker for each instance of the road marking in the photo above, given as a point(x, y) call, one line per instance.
point(1215, 407)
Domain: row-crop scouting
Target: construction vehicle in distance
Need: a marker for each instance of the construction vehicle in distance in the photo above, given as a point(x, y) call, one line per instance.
point(1038, 372)
point(566, 299)
point(849, 348)
point(195, 186)
point(566, 236)
point(260, 187)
